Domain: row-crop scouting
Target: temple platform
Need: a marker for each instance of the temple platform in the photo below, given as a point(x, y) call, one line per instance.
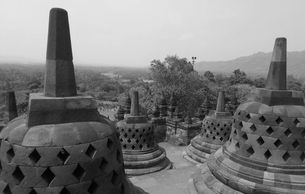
point(170, 181)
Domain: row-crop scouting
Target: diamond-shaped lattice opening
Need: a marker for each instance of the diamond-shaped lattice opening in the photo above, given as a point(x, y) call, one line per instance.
point(18, 175)
point(267, 154)
point(129, 140)
point(114, 177)
point(269, 130)
point(296, 122)
point(221, 138)
point(241, 124)
point(295, 144)
point(287, 132)
point(250, 150)
point(225, 134)
point(79, 172)
point(109, 144)
point(48, 176)
point(137, 141)
point(278, 143)
point(286, 156)
point(63, 155)
point(237, 144)
point(260, 141)
point(217, 133)
point(302, 156)
point(33, 191)
point(103, 164)
point(64, 191)
point(125, 135)
point(133, 135)
point(235, 132)
point(34, 156)
point(239, 113)
point(7, 190)
point(91, 151)
point(10, 154)
point(252, 127)
point(245, 136)
point(221, 129)
point(93, 188)
point(248, 116)
point(133, 147)
point(279, 120)
point(262, 119)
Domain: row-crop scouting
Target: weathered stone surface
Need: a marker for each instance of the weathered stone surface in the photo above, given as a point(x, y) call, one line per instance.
point(135, 109)
point(181, 133)
point(11, 106)
point(59, 78)
point(215, 131)
point(140, 152)
point(63, 145)
point(159, 125)
point(163, 107)
point(120, 113)
point(265, 151)
point(276, 79)
point(48, 110)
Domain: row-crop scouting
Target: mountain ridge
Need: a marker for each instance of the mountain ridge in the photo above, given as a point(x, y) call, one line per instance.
point(255, 64)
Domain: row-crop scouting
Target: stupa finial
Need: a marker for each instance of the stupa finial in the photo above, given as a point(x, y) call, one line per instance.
point(11, 106)
point(59, 77)
point(277, 74)
point(220, 102)
point(135, 104)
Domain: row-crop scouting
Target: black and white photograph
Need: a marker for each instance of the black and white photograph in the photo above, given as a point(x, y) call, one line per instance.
point(152, 97)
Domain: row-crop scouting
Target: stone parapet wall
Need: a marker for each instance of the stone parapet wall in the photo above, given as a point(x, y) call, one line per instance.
point(181, 133)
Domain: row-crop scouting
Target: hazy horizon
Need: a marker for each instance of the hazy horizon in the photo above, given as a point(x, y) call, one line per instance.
point(134, 32)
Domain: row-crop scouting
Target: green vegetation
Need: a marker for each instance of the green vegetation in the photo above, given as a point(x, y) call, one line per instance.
point(195, 92)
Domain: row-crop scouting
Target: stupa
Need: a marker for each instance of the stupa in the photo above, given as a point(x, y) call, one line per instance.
point(163, 107)
point(265, 152)
point(10, 104)
point(216, 129)
point(63, 145)
point(141, 154)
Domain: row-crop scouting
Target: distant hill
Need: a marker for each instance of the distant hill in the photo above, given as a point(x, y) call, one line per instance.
point(256, 64)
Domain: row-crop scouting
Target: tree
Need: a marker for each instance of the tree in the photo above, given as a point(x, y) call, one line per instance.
point(209, 75)
point(177, 76)
point(239, 77)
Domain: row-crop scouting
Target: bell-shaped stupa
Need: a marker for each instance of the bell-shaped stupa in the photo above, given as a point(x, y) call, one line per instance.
point(63, 145)
point(266, 149)
point(141, 154)
point(215, 131)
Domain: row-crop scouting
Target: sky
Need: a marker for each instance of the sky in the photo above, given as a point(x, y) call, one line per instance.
point(134, 32)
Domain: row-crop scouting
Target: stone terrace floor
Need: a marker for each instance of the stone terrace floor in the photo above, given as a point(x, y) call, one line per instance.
point(173, 181)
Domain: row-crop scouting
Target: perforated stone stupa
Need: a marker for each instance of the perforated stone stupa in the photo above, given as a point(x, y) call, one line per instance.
point(63, 146)
point(140, 152)
point(266, 149)
point(216, 129)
